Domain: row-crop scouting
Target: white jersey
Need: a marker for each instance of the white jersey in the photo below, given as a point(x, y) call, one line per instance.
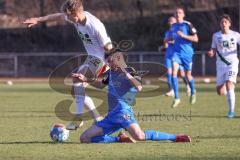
point(93, 34)
point(226, 45)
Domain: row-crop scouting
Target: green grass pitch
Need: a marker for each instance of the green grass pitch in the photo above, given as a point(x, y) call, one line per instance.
point(27, 114)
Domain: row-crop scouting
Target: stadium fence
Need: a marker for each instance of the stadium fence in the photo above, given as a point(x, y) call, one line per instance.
point(42, 64)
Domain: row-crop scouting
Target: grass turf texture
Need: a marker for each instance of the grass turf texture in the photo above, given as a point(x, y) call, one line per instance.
point(27, 114)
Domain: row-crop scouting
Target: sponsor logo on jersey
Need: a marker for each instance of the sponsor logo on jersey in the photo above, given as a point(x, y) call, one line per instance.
point(85, 37)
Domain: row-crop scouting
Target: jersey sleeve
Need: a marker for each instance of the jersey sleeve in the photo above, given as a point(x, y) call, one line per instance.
point(214, 45)
point(192, 29)
point(102, 35)
point(238, 38)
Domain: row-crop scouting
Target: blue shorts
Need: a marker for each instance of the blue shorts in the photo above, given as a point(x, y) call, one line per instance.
point(117, 120)
point(185, 62)
point(168, 64)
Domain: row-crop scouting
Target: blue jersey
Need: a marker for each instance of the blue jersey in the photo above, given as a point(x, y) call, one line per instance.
point(169, 50)
point(182, 46)
point(120, 90)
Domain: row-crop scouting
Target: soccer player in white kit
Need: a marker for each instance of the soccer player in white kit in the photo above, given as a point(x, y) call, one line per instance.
point(96, 42)
point(224, 45)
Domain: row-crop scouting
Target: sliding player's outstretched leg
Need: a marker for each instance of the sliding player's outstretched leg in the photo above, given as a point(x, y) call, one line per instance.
point(153, 135)
point(96, 134)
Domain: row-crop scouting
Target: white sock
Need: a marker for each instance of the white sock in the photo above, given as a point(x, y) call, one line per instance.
point(80, 97)
point(89, 104)
point(231, 100)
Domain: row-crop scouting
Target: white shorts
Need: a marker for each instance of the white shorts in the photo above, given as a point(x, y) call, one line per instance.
point(227, 73)
point(93, 67)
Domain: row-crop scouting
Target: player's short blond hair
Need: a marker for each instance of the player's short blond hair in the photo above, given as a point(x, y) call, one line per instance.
point(71, 6)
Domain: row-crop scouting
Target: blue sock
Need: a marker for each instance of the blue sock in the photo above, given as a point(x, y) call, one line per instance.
point(192, 86)
point(104, 139)
point(170, 81)
point(175, 87)
point(159, 136)
point(185, 80)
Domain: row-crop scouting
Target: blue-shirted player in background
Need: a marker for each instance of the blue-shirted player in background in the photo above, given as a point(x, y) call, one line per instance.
point(183, 34)
point(168, 60)
point(123, 84)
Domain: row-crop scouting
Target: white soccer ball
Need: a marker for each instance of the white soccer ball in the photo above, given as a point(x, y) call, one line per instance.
point(59, 133)
point(206, 80)
point(10, 83)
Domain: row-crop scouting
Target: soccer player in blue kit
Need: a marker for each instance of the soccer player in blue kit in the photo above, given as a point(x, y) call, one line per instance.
point(168, 60)
point(123, 84)
point(183, 34)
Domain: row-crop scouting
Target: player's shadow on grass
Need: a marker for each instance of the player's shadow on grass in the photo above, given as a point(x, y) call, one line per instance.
point(198, 138)
point(36, 142)
point(213, 116)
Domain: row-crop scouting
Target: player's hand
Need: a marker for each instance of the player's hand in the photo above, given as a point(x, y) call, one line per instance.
point(80, 77)
point(211, 53)
point(180, 33)
point(31, 22)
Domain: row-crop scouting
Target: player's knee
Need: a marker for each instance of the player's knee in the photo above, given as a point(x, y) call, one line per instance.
point(182, 73)
point(221, 92)
point(175, 74)
point(189, 75)
point(84, 139)
point(170, 71)
point(140, 137)
point(229, 85)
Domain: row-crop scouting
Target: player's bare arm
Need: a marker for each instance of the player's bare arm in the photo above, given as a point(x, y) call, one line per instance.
point(80, 77)
point(96, 83)
point(108, 47)
point(132, 80)
point(52, 17)
point(192, 38)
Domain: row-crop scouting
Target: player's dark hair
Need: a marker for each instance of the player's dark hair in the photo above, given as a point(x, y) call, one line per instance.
point(227, 17)
point(113, 51)
point(181, 9)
